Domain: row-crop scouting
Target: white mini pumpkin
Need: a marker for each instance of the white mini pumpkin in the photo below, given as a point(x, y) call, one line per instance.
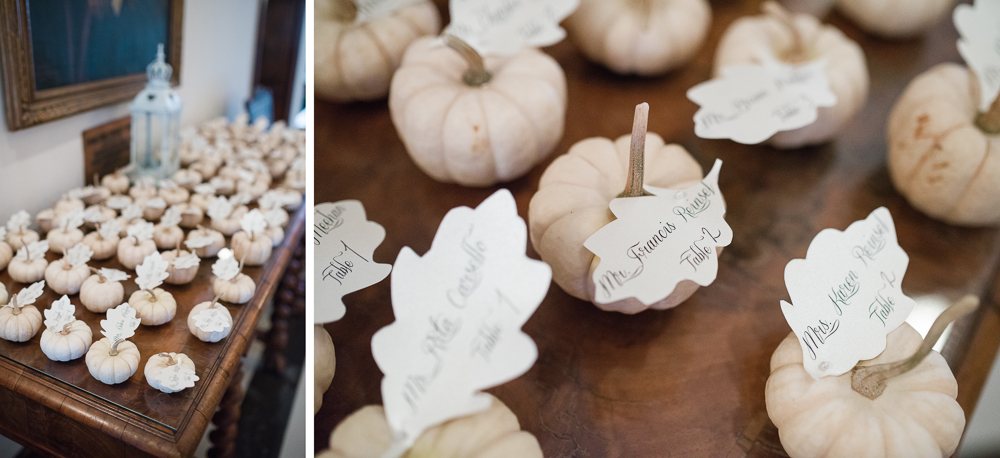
point(572, 204)
point(104, 241)
point(95, 215)
point(324, 365)
point(117, 182)
point(472, 121)
point(191, 215)
point(154, 307)
point(46, 220)
point(143, 191)
point(18, 234)
point(230, 284)
point(174, 194)
point(187, 269)
point(943, 157)
point(160, 361)
point(492, 433)
point(100, 293)
point(134, 248)
point(356, 61)
point(6, 252)
point(152, 209)
point(65, 277)
point(67, 204)
point(253, 250)
point(112, 364)
point(206, 242)
point(28, 265)
point(797, 38)
point(19, 320)
point(895, 18)
point(69, 343)
point(66, 233)
point(644, 37)
point(188, 178)
point(167, 237)
point(212, 335)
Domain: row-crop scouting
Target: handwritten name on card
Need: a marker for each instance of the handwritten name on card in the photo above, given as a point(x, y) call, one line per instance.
point(344, 242)
point(505, 26)
point(979, 44)
point(659, 241)
point(846, 294)
point(459, 311)
point(750, 103)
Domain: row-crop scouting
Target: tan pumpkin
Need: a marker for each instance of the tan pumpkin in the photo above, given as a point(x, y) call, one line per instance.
point(895, 18)
point(166, 237)
point(492, 433)
point(20, 238)
point(644, 37)
point(95, 215)
point(797, 38)
point(112, 364)
point(209, 336)
point(4, 296)
point(104, 244)
point(98, 294)
point(275, 233)
point(46, 220)
point(218, 241)
point(230, 224)
point(6, 252)
point(912, 413)
point(239, 290)
point(28, 265)
point(152, 209)
point(572, 204)
point(117, 182)
point(324, 365)
point(944, 156)
point(131, 253)
point(253, 250)
point(203, 197)
point(68, 204)
point(357, 61)
point(188, 178)
point(174, 195)
point(472, 121)
point(179, 275)
point(223, 186)
point(191, 215)
point(17, 323)
point(160, 361)
point(154, 307)
point(69, 343)
point(143, 191)
point(62, 239)
point(63, 278)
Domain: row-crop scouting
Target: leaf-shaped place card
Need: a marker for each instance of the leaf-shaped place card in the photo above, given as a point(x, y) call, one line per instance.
point(240, 198)
point(226, 267)
point(119, 203)
point(205, 189)
point(979, 44)
point(198, 242)
point(141, 231)
point(846, 294)
point(171, 217)
point(132, 211)
point(109, 229)
point(113, 275)
point(120, 324)
point(18, 221)
point(156, 202)
point(79, 255)
point(93, 214)
point(3, 234)
point(71, 220)
point(80, 193)
point(751, 103)
point(187, 261)
point(505, 26)
point(372, 9)
point(213, 319)
point(168, 184)
point(220, 208)
point(253, 223)
point(32, 251)
point(274, 217)
point(151, 272)
point(176, 377)
point(660, 240)
point(29, 294)
point(344, 242)
point(61, 313)
point(459, 311)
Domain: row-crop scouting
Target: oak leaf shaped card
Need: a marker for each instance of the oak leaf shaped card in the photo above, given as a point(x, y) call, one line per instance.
point(751, 103)
point(344, 242)
point(459, 311)
point(979, 44)
point(505, 26)
point(846, 294)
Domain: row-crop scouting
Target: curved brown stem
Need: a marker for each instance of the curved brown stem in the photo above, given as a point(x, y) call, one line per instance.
point(215, 300)
point(637, 153)
point(870, 381)
point(476, 75)
point(17, 307)
point(65, 328)
point(152, 294)
point(170, 359)
point(776, 11)
point(989, 120)
point(114, 347)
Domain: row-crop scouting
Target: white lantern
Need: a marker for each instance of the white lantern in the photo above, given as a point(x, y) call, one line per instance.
point(156, 117)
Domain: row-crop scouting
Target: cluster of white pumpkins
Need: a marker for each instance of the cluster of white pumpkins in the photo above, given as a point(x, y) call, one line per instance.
point(229, 167)
point(442, 96)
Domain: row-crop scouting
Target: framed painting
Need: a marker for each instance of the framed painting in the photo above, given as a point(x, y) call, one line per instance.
point(62, 57)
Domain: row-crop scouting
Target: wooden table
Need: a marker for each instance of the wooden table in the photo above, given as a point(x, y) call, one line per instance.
point(59, 408)
point(687, 381)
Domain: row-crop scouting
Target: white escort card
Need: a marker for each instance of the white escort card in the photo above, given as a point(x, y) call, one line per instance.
point(177, 377)
point(979, 44)
point(846, 294)
point(213, 319)
point(459, 311)
point(751, 103)
point(120, 324)
point(373, 9)
point(505, 26)
point(344, 241)
point(660, 240)
point(61, 313)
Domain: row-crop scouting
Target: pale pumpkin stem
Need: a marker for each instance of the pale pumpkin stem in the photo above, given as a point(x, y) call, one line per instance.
point(151, 293)
point(114, 347)
point(170, 359)
point(637, 153)
point(989, 121)
point(215, 300)
point(776, 11)
point(17, 307)
point(870, 381)
point(65, 328)
point(476, 75)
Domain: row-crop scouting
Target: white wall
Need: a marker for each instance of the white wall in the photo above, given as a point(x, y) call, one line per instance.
point(219, 39)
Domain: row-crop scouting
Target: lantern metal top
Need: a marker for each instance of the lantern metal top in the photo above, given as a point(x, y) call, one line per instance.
point(157, 96)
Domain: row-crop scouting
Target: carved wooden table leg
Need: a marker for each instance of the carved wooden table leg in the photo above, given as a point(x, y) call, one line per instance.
point(289, 300)
point(223, 438)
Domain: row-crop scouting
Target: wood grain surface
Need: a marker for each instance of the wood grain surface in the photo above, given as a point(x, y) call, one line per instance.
point(59, 408)
point(687, 381)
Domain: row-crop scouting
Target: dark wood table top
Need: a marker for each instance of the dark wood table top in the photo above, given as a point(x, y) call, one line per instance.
point(41, 396)
point(687, 381)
